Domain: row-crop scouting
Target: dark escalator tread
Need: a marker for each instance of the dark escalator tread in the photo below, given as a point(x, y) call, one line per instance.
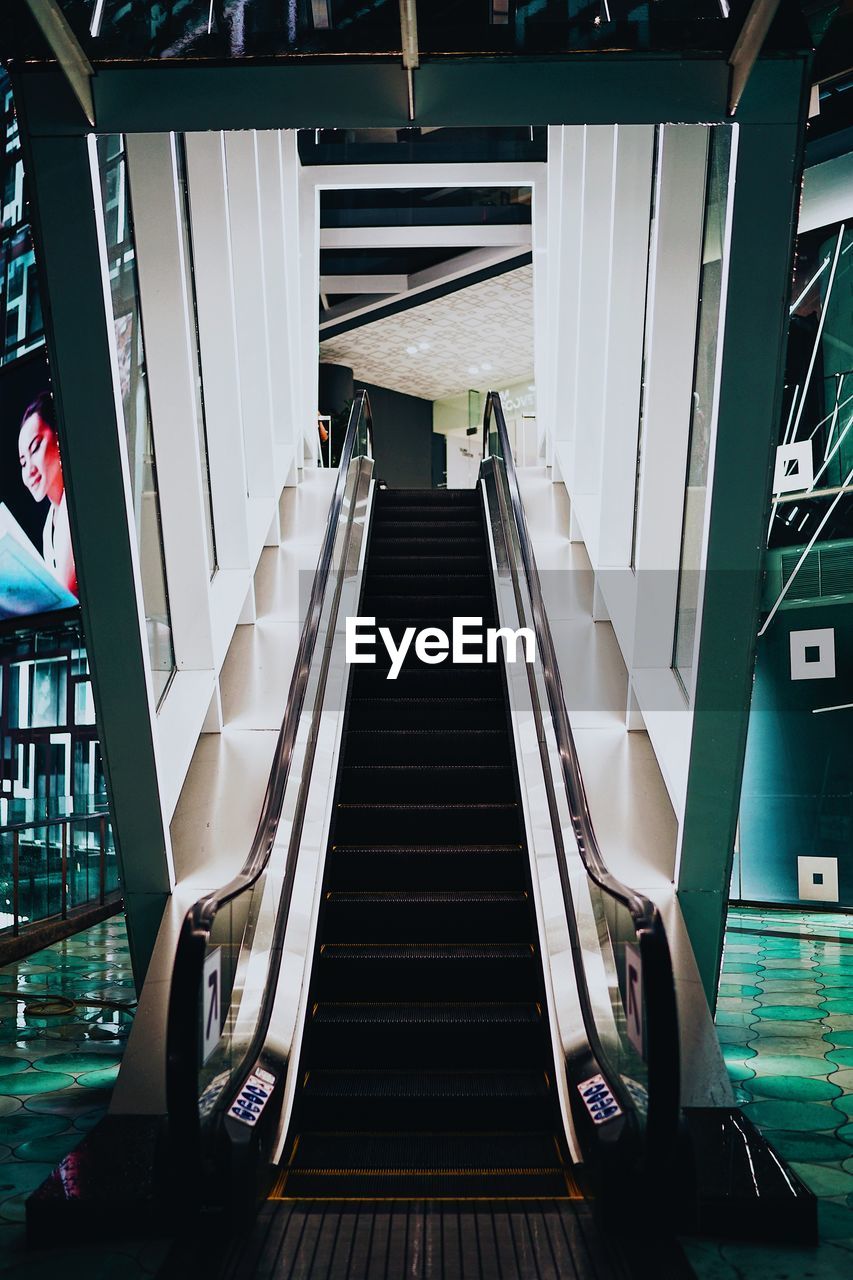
point(434, 1013)
point(419, 782)
point(412, 542)
point(399, 581)
point(419, 610)
point(472, 1163)
point(427, 713)
point(446, 566)
point(439, 525)
point(418, 680)
point(438, 866)
point(433, 497)
point(423, 511)
point(357, 823)
point(427, 1084)
point(426, 897)
point(425, 971)
point(423, 1100)
point(424, 746)
point(492, 1182)
point(402, 915)
point(426, 951)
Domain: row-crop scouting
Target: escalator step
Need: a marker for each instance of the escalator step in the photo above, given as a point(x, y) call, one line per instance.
point(407, 1151)
point(400, 582)
point(417, 1164)
point(404, 952)
point(427, 713)
point(431, 1013)
point(425, 897)
point(422, 608)
point(447, 566)
point(405, 1035)
point(419, 681)
point(424, 1101)
point(441, 866)
point(397, 543)
point(367, 822)
point(428, 497)
point(419, 782)
point(415, 746)
point(423, 915)
point(428, 1084)
point(395, 511)
point(468, 528)
point(436, 971)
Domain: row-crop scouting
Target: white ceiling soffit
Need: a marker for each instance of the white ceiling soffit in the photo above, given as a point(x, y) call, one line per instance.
point(475, 338)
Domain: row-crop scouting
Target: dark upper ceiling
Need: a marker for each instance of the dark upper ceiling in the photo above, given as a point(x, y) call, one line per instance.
point(216, 29)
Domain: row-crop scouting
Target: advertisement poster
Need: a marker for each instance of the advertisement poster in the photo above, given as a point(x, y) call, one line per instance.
point(37, 569)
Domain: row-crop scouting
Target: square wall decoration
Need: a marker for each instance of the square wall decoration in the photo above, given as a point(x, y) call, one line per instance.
point(817, 879)
point(813, 654)
point(794, 469)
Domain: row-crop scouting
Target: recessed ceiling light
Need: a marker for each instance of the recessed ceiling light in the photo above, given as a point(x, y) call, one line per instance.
point(424, 346)
point(413, 351)
point(485, 366)
point(473, 368)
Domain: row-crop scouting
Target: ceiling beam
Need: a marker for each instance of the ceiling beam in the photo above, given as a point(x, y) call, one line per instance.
point(748, 45)
point(364, 284)
point(438, 237)
point(370, 177)
point(65, 47)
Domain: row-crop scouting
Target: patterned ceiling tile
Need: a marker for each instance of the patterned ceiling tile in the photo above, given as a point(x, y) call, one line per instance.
point(472, 339)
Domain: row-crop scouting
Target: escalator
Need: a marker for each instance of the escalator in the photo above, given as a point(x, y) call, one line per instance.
point(445, 1039)
point(427, 1068)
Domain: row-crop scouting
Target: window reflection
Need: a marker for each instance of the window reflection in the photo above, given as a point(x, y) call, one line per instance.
point(704, 379)
point(124, 287)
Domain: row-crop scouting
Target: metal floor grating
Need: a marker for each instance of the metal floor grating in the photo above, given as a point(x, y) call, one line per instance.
point(421, 1240)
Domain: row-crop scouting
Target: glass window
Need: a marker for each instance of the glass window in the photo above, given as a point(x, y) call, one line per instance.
point(195, 350)
point(642, 412)
point(124, 286)
point(21, 320)
point(704, 379)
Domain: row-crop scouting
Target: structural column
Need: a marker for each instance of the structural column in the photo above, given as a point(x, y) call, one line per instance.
point(214, 280)
point(670, 350)
point(272, 224)
point(251, 308)
point(290, 203)
point(167, 316)
point(766, 193)
point(593, 306)
point(623, 374)
point(71, 253)
point(568, 317)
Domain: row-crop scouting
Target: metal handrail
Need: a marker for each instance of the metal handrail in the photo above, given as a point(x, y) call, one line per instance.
point(58, 820)
point(187, 973)
point(662, 1035)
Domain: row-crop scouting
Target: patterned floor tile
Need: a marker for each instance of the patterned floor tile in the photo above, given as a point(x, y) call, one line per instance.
point(56, 1076)
point(797, 1084)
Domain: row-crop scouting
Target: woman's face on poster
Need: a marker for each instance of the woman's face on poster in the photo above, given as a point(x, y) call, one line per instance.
point(38, 450)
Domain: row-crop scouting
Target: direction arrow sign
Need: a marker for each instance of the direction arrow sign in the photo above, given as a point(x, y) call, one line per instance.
point(634, 997)
point(211, 1028)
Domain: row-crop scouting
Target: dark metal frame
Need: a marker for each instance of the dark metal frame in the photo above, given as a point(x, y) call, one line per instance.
point(362, 91)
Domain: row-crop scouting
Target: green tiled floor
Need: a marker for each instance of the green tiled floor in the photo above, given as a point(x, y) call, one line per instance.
point(56, 1074)
point(785, 1023)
